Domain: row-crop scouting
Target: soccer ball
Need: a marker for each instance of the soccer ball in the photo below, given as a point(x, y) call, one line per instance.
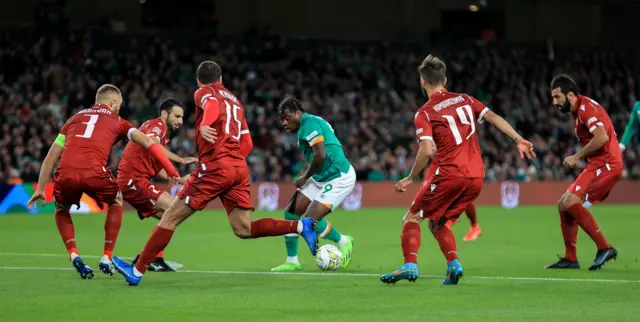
point(329, 258)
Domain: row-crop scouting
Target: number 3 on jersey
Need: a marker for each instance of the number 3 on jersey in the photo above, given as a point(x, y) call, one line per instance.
point(465, 115)
point(91, 125)
point(227, 127)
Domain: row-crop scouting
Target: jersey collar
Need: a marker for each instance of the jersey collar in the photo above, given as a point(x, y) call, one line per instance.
point(440, 92)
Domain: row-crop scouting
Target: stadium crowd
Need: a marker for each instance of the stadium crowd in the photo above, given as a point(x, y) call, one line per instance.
point(368, 92)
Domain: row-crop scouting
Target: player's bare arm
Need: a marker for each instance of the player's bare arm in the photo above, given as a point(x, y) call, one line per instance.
point(600, 138)
point(163, 175)
point(156, 150)
point(524, 147)
point(426, 150)
point(316, 163)
point(55, 151)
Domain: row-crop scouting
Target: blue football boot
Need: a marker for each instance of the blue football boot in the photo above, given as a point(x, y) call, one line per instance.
point(83, 269)
point(408, 271)
point(126, 270)
point(454, 273)
point(309, 234)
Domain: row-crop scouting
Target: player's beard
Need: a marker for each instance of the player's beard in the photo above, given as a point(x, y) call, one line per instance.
point(564, 108)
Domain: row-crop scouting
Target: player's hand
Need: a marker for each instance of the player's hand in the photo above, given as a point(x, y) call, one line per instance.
point(525, 148)
point(208, 134)
point(173, 181)
point(571, 161)
point(188, 160)
point(183, 179)
point(402, 185)
point(32, 204)
point(300, 182)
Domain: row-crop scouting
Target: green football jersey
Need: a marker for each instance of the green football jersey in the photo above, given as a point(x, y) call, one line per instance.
point(633, 127)
point(313, 129)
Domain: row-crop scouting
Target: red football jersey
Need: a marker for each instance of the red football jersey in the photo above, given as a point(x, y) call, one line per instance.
point(449, 119)
point(588, 117)
point(89, 136)
point(136, 160)
point(230, 126)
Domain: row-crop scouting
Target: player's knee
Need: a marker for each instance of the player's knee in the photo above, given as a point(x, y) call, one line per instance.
point(242, 228)
point(240, 220)
point(567, 201)
point(433, 226)
point(411, 217)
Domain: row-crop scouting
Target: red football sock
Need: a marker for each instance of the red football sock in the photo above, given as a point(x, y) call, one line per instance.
point(111, 229)
point(589, 225)
point(161, 254)
point(273, 227)
point(569, 228)
point(159, 239)
point(410, 241)
point(471, 214)
point(447, 242)
point(65, 228)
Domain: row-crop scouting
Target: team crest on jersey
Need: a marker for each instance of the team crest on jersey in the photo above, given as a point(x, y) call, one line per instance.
point(157, 131)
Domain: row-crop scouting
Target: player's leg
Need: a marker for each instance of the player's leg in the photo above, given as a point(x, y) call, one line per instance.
point(162, 203)
point(569, 228)
point(67, 192)
point(158, 241)
point(330, 196)
point(410, 240)
point(474, 231)
point(112, 225)
point(237, 202)
point(293, 211)
point(455, 195)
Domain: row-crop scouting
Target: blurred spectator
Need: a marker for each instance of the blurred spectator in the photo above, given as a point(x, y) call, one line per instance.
point(369, 93)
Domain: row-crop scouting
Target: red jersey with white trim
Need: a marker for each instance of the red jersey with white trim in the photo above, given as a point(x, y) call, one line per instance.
point(449, 120)
point(89, 136)
point(136, 160)
point(230, 126)
point(587, 117)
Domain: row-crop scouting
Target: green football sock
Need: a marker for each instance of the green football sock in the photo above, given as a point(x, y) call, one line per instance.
point(333, 235)
point(291, 241)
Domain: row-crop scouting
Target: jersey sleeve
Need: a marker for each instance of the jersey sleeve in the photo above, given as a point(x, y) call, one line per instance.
point(126, 128)
point(424, 131)
point(201, 96)
point(311, 132)
point(589, 116)
point(478, 109)
point(61, 138)
point(158, 130)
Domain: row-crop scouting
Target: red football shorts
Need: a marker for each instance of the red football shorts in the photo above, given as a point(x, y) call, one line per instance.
point(140, 194)
point(595, 183)
point(69, 186)
point(442, 199)
point(230, 184)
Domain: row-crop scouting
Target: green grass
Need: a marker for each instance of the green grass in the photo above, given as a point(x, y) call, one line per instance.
point(516, 243)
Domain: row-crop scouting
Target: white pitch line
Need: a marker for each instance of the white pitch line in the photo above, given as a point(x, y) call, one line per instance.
point(508, 278)
point(174, 265)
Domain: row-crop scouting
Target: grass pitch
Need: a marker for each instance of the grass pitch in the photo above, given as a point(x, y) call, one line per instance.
point(228, 279)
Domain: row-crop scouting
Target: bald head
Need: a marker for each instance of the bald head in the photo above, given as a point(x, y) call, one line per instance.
point(109, 95)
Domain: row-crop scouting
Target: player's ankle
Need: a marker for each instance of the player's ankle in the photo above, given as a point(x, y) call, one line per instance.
point(136, 272)
point(292, 260)
point(343, 240)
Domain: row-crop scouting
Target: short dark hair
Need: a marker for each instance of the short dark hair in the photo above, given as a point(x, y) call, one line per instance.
point(168, 104)
point(433, 70)
point(208, 72)
point(565, 83)
point(290, 104)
